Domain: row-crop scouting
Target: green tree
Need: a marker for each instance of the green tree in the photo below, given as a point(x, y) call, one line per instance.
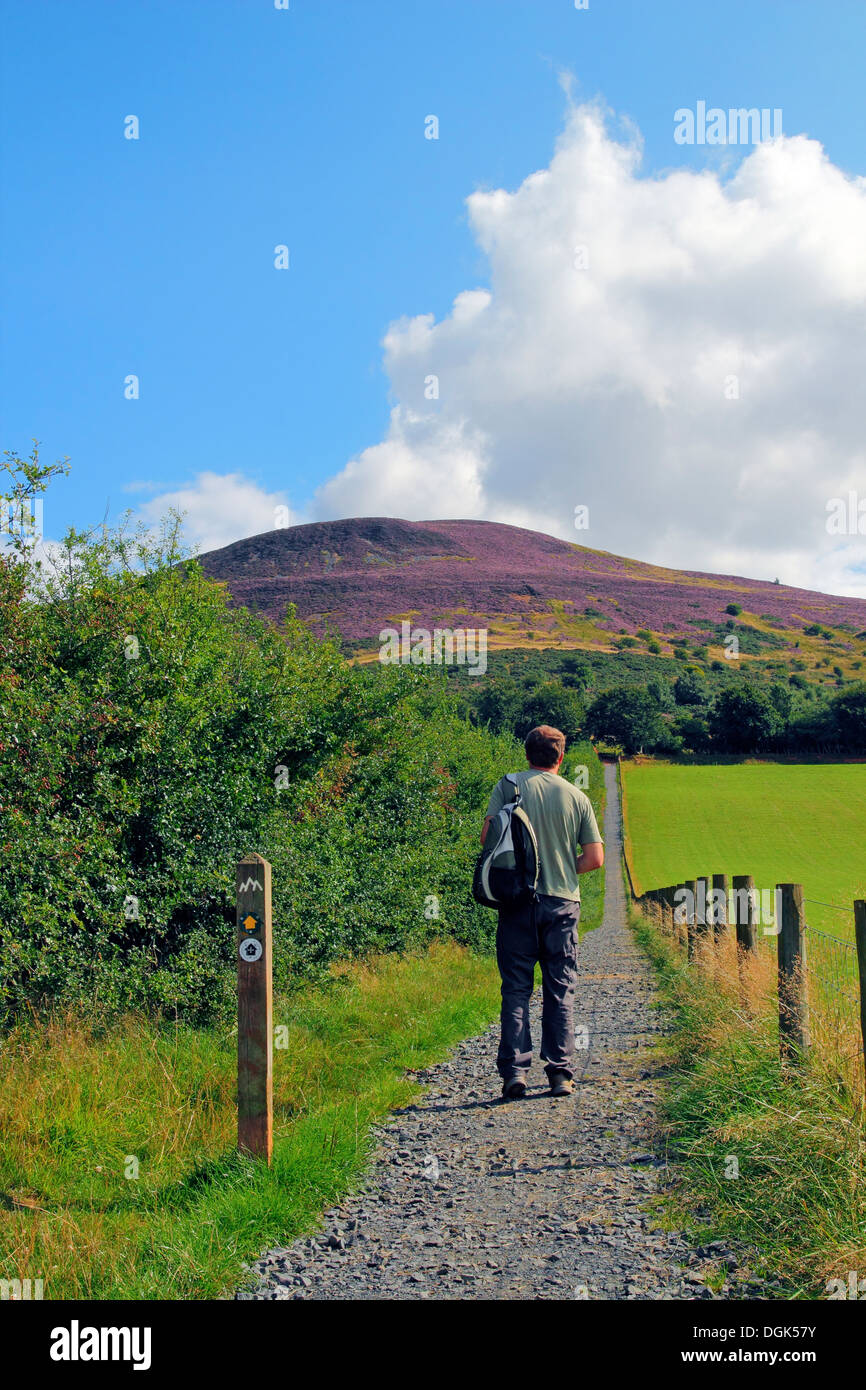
point(848, 716)
point(692, 732)
point(690, 688)
point(576, 673)
point(662, 692)
point(743, 719)
point(627, 715)
point(782, 699)
point(497, 704)
point(551, 703)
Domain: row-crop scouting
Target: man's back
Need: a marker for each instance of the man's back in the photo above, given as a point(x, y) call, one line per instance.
point(563, 820)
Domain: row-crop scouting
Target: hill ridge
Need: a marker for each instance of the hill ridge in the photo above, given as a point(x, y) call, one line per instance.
point(355, 575)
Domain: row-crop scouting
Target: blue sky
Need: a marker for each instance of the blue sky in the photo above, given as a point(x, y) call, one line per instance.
point(306, 127)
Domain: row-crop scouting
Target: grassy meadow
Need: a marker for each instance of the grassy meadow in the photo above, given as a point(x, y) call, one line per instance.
point(780, 822)
point(118, 1171)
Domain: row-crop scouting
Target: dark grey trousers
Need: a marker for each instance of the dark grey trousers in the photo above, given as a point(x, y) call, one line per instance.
point(545, 931)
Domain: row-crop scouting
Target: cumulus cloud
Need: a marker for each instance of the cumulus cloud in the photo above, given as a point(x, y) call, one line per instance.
point(682, 353)
point(220, 508)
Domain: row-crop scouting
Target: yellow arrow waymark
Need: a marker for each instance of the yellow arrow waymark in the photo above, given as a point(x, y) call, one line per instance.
point(250, 922)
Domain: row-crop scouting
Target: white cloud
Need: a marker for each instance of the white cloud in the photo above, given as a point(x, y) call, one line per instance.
point(605, 386)
point(220, 508)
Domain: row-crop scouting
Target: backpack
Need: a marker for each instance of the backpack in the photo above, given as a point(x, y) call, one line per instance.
point(506, 871)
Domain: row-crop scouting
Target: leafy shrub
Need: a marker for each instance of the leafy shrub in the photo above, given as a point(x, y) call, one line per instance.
point(744, 719)
point(151, 735)
point(626, 715)
point(690, 688)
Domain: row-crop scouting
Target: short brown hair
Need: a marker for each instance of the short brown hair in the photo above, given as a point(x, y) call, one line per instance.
point(544, 746)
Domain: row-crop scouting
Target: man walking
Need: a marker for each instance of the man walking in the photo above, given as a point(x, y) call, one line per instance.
point(546, 930)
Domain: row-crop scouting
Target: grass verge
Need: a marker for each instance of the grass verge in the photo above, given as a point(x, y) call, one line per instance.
point(769, 1159)
point(118, 1171)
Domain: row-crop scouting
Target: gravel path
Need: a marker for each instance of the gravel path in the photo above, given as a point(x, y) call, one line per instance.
point(472, 1198)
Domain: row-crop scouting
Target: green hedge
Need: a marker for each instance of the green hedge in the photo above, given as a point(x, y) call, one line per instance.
point(151, 735)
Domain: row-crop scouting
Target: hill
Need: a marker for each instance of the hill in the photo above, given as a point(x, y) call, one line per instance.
point(359, 575)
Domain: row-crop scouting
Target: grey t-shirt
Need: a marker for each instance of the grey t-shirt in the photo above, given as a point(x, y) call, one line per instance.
point(563, 820)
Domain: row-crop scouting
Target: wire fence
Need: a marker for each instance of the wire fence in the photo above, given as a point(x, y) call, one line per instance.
point(819, 974)
point(832, 972)
point(831, 964)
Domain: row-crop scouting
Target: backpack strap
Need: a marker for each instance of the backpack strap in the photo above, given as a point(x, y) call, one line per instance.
point(511, 779)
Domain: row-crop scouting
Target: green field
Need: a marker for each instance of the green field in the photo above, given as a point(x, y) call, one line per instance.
point(781, 822)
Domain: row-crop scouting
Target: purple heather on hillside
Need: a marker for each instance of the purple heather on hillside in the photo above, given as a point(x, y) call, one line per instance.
point(359, 574)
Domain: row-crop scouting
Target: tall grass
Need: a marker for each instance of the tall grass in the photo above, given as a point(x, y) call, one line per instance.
point(773, 1157)
point(118, 1170)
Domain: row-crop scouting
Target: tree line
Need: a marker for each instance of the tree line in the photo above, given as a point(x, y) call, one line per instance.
point(683, 715)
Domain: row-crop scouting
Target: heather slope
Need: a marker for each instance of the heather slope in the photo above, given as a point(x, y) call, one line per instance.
point(355, 576)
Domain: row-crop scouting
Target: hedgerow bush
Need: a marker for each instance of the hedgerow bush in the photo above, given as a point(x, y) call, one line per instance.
point(151, 735)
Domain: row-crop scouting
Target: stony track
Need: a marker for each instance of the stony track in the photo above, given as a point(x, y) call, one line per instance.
point(472, 1198)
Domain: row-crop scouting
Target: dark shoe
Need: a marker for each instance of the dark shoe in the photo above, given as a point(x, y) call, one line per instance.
point(514, 1087)
point(561, 1085)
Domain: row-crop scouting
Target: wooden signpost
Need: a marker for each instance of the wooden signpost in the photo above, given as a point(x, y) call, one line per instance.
point(255, 1008)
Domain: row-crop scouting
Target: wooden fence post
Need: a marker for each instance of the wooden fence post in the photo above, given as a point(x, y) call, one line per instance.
point(745, 912)
point(255, 1008)
point(682, 921)
point(679, 913)
point(702, 925)
point(720, 908)
point(794, 1037)
point(656, 908)
point(719, 921)
point(860, 934)
point(692, 887)
point(668, 913)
